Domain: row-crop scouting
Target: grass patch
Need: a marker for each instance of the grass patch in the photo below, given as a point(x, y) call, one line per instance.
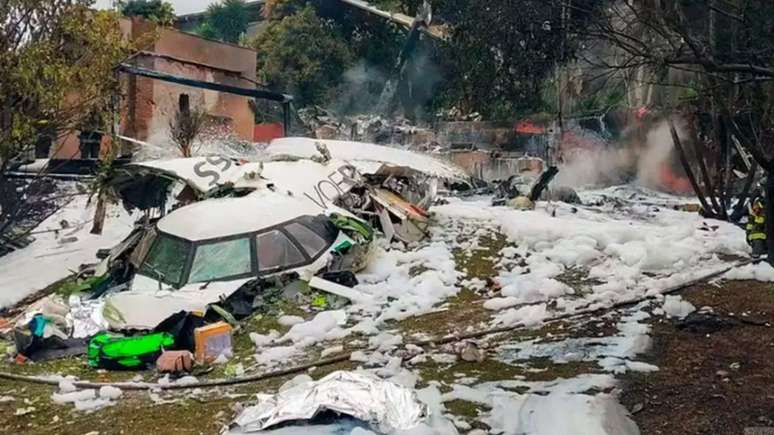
point(482, 262)
point(465, 409)
point(578, 279)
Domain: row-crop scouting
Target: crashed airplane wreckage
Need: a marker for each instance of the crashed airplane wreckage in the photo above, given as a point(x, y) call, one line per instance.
point(220, 239)
point(392, 191)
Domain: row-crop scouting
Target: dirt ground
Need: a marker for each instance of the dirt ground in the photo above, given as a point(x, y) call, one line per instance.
point(716, 382)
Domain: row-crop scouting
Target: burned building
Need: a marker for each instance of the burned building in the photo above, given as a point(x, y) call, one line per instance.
point(148, 104)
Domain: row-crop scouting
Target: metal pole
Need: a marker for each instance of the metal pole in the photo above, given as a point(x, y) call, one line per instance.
point(286, 117)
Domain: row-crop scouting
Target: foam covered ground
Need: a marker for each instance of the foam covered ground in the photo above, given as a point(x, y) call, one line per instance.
point(524, 267)
point(55, 255)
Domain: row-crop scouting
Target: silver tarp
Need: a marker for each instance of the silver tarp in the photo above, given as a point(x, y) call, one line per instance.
point(386, 406)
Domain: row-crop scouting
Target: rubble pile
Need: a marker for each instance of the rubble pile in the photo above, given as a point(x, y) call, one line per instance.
point(336, 230)
point(300, 224)
point(374, 129)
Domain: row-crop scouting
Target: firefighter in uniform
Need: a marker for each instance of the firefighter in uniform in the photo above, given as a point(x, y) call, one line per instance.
point(756, 226)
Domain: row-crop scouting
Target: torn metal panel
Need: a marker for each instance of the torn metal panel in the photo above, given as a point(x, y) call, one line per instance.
point(386, 406)
point(399, 206)
point(144, 310)
point(386, 223)
point(411, 222)
point(367, 158)
point(321, 183)
point(148, 184)
point(399, 181)
point(203, 174)
point(339, 290)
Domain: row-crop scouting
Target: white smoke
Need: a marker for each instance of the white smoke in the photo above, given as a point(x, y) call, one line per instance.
point(643, 163)
point(601, 166)
point(657, 153)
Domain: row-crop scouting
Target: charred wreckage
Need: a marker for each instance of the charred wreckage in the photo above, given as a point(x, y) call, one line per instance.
point(220, 239)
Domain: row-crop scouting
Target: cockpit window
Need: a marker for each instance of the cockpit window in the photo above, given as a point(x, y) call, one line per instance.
point(166, 259)
point(286, 246)
point(312, 243)
point(276, 251)
point(219, 260)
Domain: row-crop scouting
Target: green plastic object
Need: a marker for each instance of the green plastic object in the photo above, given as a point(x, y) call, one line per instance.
point(115, 352)
point(346, 223)
point(320, 301)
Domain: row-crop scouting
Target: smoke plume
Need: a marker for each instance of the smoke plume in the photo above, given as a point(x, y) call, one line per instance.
point(650, 163)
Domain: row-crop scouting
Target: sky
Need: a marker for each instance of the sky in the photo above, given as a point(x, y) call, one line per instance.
point(181, 6)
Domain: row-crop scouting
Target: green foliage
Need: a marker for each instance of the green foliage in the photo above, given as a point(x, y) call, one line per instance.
point(206, 30)
point(158, 11)
point(59, 73)
point(499, 56)
point(226, 21)
point(302, 54)
point(374, 40)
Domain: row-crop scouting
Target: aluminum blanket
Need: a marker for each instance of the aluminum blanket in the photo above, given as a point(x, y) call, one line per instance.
point(384, 405)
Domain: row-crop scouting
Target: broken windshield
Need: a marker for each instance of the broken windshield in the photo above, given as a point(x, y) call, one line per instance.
point(276, 251)
point(166, 260)
point(221, 260)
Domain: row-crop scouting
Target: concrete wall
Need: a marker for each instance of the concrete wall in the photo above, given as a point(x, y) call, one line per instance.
point(480, 134)
point(490, 166)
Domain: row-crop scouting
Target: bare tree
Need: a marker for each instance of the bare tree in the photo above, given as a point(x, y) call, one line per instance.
point(717, 59)
point(185, 127)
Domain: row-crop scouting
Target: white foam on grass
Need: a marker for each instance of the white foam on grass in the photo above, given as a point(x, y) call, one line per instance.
point(87, 399)
point(327, 325)
point(758, 272)
point(626, 252)
point(110, 392)
point(614, 353)
point(675, 306)
point(63, 252)
point(276, 355)
point(74, 396)
point(527, 316)
point(407, 283)
point(559, 414)
point(290, 320)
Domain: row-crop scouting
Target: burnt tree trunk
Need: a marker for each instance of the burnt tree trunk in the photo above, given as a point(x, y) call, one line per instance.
point(99, 215)
point(709, 212)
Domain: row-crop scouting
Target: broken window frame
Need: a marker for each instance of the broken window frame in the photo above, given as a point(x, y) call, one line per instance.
point(321, 228)
point(310, 241)
point(305, 259)
point(152, 273)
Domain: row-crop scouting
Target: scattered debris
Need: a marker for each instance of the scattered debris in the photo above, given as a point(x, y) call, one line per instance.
point(212, 341)
point(24, 411)
point(339, 290)
point(704, 322)
point(175, 361)
point(115, 352)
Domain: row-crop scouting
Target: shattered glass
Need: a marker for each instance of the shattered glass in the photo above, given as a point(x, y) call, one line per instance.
point(276, 251)
point(221, 260)
point(166, 259)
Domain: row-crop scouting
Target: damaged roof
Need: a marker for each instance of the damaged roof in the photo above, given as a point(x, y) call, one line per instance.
point(201, 173)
